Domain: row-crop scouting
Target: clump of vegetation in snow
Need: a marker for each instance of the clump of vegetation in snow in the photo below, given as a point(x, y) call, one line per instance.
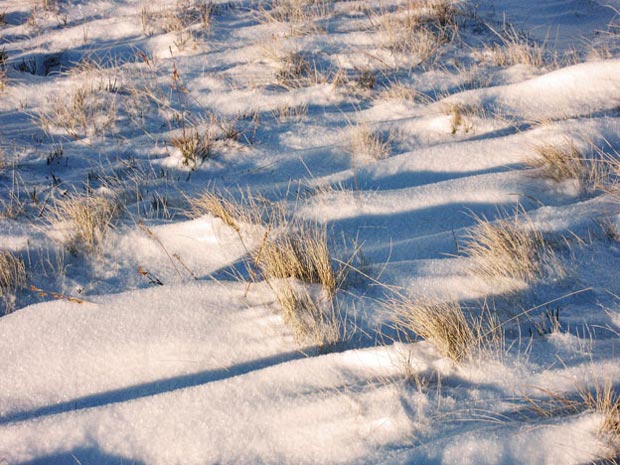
point(84, 112)
point(301, 252)
point(514, 49)
point(86, 217)
point(561, 163)
point(12, 278)
point(445, 325)
point(418, 29)
point(194, 146)
point(367, 143)
point(298, 266)
point(511, 249)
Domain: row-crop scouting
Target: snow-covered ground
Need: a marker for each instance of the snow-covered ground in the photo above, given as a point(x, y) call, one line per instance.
point(397, 126)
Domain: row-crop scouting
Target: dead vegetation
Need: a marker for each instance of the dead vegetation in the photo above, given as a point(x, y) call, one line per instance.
point(366, 143)
point(418, 28)
point(511, 249)
point(463, 116)
point(193, 146)
point(85, 112)
point(86, 218)
point(562, 163)
point(12, 278)
point(296, 12)
point(301, 252)
point(445, 324)
point(513, 49)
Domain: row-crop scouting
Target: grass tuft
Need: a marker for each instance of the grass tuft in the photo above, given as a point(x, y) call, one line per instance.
point(225, 207)
point(310, 313)
point(89, 217)
point(302, 253)
point(368, 144)
point(12, 278)
point(563, 163)
point(511, 249)
point(445, 325)
point(194, 147)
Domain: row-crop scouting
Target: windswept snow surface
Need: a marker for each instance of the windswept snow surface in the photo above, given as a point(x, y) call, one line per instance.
point(165, 345)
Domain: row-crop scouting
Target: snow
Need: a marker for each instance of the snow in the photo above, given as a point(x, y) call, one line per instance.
point(165, 346)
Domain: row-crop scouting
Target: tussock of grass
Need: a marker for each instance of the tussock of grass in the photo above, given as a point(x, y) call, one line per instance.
point(564, 162)
point(366, 143)
point(12, 278)
point(419, 28)
point(89, 217)
point(301, 253)
point(294, 71)
point(461, 116)
point(595, 395)
point(194, 147)
point(310, 313)
point(514, 49)
point(84, 112)
point(298, 267)
point(604, 399)
point(445, 325)
point(300, 12)
point(225, 207)
point(511, 249)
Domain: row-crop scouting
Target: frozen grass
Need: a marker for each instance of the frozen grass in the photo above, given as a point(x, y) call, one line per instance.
point(178, 18)
point(418, 29)
point(225, 206)
point(604, 399)
point(12, 278)
point(595, 394)
point(461, 116)
point(302, 253)
point(3, 60)
point(310, 313)
point(84, 112)
point(511, 249)
point(564, 162)
point(194, 146)
point(298, 12)
point(367, 144)
point(87, 217)
point(514, 49)
point(445, 325)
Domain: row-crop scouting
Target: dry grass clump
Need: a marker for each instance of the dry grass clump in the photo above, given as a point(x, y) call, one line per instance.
point(298, 267)
point(295, 70)
point(194, 146)
point(445, 325)
point(596, 395)
point(419, 28)
point(84, 112)
point(180, 19)
point(3, 76)
point(12, 278)
point(511, 249)
point(302, 253)
point(285, 113)
point(564, 162)
point(397, 91)
point(461, 116)
point(310, 313)
point(225, 207)
point(88, 217)
point(514, 48)
point(604, 399)
point(365, 143)
point(300, 12)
